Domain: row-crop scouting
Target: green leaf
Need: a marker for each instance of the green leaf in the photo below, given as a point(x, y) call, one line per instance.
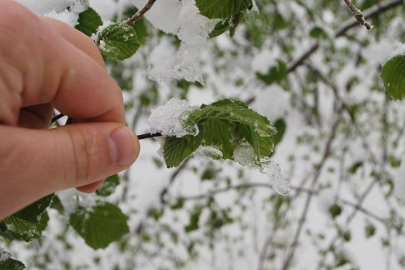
point(57, 205)
point(370, 230)
point(222, 9)
point(223, 126)
point(393, 75)
point(176, 150)
point(233, 111)
point(11, 264)
point(109, 186)
point(347, 236)
point(220, 28)
point(101, 225)
point(88, 22)
point(228, 24)
point(318, 32)
point(118, 41)
point(276, 74)
point(219, 134)
point(279, 22)
point(139, 26)
point(263, 145)
point(33, 212)
point(335, 210)
point(281, 126)
point(194, 220)
point(28, 223)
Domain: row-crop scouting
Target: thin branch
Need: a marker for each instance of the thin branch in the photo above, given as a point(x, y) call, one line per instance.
point(149, 135)
point(359, 208)
point(140, 13)
point(243, 186)
point(56, 118)
point(179, 169)
point(358, 15)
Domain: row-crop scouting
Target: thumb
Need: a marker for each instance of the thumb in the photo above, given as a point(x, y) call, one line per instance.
point(35, 163)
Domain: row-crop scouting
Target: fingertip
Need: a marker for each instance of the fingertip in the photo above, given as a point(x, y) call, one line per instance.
point(90, 188)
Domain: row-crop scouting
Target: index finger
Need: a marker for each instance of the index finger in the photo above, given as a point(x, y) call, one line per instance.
point(56, 71)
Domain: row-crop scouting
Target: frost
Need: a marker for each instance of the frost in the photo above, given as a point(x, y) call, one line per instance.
point(207, 153)
point(57, 10)
point(193, 31)
point(169, 119)
point(4, 255)
point(277, 181)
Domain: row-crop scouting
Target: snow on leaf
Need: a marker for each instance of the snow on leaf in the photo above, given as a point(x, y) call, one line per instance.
point(169, 119)
point(118, 41)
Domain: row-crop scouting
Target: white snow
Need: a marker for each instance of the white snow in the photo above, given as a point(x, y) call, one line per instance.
point(44, 6)
point(4, 255)
point(164, 15)
point(168, 119)
point(193, 30)
point(68, 200)
point(57, 9)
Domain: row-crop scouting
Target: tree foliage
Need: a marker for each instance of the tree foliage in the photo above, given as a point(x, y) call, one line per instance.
point(326, 86)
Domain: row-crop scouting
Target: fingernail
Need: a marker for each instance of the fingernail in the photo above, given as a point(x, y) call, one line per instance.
point(122, 146)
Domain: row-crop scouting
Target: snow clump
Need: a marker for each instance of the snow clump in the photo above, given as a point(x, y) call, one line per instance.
point(57, 10)
point(169, 119)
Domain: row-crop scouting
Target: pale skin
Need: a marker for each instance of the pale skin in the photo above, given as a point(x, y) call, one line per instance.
point(44, 65)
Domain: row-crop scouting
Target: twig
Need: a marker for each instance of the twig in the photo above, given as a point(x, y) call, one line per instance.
point(359, 208)
point(244, 186)
point(149, 135)
point(326, 154)
point(140, 13)
point(358, 15)
point(179, 169)
point(56, 118)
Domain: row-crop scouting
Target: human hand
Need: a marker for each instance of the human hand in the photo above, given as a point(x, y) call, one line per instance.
point(46, 64)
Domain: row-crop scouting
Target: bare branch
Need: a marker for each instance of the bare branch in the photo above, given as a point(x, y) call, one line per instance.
point(140, 13)
point(358, 15)
point(149, 135)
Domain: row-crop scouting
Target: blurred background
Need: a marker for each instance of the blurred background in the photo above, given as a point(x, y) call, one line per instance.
point(314, 72)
